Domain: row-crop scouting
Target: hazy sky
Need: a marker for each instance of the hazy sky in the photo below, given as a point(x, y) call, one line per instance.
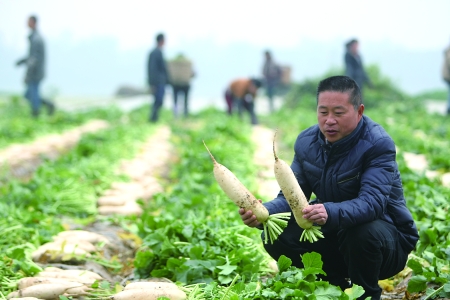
point(416, 24)
point(96, 45)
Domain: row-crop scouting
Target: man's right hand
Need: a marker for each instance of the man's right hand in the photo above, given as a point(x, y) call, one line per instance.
point(19, 62)
point(249, 218)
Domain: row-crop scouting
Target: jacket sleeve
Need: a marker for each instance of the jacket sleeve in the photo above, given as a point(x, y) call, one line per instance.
point(377, 179)
point(150, 69)
point(350, 65)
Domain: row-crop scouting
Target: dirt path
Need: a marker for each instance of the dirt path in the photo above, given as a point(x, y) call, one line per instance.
point(264, 159)
point(144, 171)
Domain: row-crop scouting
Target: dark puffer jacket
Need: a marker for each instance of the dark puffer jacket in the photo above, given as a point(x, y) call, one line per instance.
point(356, 178)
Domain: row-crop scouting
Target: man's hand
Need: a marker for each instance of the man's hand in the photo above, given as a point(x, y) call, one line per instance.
point(316, 213)
point(19, 62)
point(249, 218)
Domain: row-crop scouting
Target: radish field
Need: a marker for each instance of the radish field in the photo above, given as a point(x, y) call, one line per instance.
point(130, 200)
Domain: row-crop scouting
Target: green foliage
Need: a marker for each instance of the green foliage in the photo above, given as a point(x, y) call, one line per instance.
point(192, 233)
point(192, 245)
point(289, 283)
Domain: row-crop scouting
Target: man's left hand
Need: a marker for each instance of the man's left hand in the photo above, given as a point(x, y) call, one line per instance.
point(316, 213)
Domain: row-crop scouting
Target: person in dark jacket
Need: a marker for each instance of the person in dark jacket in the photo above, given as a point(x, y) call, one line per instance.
point(35, 63)
point(272, 77)
point(157, 76)
point(354, 67)
point(349, 162)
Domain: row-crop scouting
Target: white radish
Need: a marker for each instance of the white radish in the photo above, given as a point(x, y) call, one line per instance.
point(13, 295)
point(83, 273)
point(81, 277)
point(56, 252)
point(24, 298)
point(150, 294)
point(129, 209)
point(46, 290)
point(295, 198)
point(78, 291)
point(84, 235)
point(243, 198)
point(53, 269)
point(30, 281)
point(84, 245)
point(150, 285)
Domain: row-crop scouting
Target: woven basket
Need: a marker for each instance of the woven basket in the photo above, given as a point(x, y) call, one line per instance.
point(285, 75)
point(180, 72)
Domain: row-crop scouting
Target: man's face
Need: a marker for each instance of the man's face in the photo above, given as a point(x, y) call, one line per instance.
point(31, 23)
point(336, 116)
point(354, 48)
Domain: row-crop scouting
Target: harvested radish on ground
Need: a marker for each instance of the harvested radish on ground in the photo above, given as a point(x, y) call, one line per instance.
point(138, 285)
point(273, 224)
point(150, 294)
point(44, 291)
point(30, 281)
point(295, 198)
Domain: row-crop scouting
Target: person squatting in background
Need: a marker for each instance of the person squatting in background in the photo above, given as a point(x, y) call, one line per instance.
point(241, 94)
point(157, 76)
point(446, 74)
point(272, 76)
point(35, 73)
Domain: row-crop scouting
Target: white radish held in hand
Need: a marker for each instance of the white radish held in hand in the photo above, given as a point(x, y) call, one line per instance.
point(243, 198)
point(295, 198)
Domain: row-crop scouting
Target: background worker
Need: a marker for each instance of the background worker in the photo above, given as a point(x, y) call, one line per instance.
point(35, 64)
point(272, 76)
point(354, 67)
point(157, 76)
point(241, 93)
point(180, 73)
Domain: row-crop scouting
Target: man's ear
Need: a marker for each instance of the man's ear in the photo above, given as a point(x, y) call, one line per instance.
point(360, 110)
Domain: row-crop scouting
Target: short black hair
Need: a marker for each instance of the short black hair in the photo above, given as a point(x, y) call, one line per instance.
point(350, 43)
point(34, 18)
point(160, 37)
point(341, 84)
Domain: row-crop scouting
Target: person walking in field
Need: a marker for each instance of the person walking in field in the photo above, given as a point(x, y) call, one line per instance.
point(446, 74)
point(35, 73)
point(180, 73)
point(157, 76)
point(354, 67)
point(348, 162)
point(241, 93)
point(272, 76)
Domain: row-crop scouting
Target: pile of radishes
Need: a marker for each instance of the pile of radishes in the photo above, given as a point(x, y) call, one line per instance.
point(150, 290)
point(70, 245)
point(54, 282)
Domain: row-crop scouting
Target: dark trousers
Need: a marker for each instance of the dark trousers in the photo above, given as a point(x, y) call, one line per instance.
point(33, 96)
point(180, 89)
point(230, 101)
point(158, 94)
point(248, 104)
point(365, 253)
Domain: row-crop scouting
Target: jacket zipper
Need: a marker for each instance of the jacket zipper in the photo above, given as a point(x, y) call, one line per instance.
point(348, 179)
